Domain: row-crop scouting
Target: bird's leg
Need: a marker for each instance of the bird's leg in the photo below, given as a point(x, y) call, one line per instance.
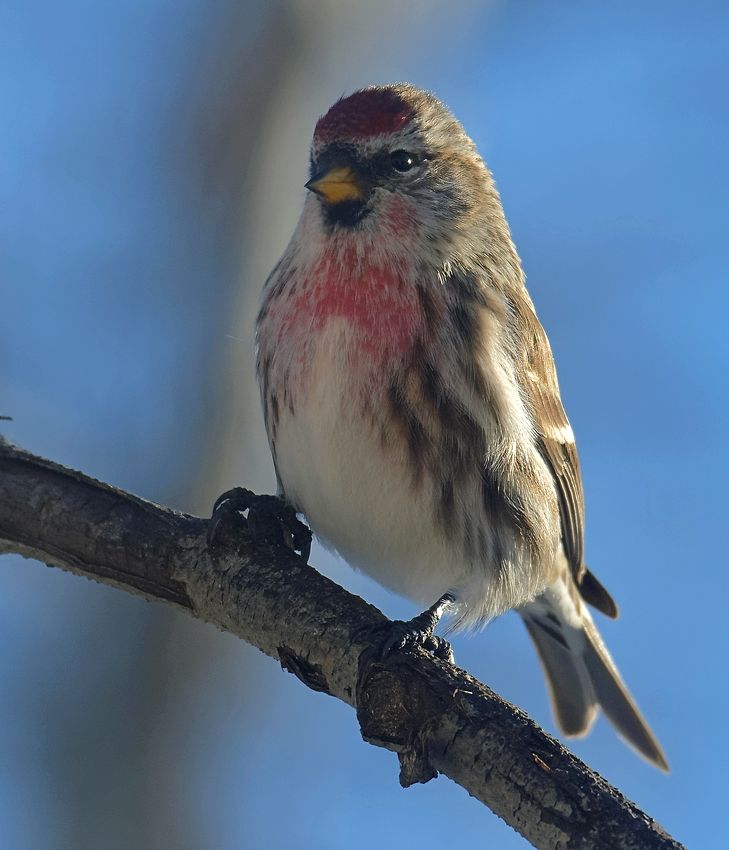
point(419, 632)
point(265, 519)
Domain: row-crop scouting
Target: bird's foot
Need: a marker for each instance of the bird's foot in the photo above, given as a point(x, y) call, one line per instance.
point(406, 634)
point(265, 519)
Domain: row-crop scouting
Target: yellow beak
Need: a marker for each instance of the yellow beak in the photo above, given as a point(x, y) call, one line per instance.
point(336, 185)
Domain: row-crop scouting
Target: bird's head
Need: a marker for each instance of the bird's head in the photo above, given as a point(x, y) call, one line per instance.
point(392, 161)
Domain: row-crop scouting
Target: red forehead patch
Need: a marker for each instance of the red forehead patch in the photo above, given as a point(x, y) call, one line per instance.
point(364, 114)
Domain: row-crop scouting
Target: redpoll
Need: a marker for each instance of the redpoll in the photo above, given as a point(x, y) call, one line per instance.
point(411, 399)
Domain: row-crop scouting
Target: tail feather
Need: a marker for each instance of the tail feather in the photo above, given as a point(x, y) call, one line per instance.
point(617, 702)
point(580, 673)
point(570, 689)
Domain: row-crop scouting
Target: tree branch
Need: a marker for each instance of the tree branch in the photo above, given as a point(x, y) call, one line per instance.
point(435, 716)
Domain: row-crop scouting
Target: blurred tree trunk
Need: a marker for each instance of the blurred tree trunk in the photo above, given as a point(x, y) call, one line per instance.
point(179, 655)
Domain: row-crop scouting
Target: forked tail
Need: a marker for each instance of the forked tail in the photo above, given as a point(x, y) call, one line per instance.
point(580, 673)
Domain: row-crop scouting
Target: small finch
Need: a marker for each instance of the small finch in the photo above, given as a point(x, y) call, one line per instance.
point(411, 399)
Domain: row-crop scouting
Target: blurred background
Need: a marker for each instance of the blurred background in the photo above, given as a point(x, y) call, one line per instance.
point(152, 161)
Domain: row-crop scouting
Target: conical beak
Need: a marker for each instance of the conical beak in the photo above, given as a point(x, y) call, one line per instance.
point(336, 184)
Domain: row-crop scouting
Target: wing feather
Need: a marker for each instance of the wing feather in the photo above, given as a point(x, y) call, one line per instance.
point(539, 384)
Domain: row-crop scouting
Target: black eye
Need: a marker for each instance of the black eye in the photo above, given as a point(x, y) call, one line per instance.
point(404, 161)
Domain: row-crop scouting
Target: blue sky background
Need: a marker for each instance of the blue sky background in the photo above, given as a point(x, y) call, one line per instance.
point(120, 272)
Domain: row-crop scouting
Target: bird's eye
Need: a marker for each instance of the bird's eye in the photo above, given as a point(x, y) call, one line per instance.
point(404, 161)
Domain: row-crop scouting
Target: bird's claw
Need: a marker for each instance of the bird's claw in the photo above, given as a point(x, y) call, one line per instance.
point(265, 519)
point(406, 635)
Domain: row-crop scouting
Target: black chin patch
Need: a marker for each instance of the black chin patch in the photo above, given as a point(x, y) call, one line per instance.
point(344, 214)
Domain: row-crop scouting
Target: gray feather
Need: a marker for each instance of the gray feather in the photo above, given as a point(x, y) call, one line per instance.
point(616, 700)
point(570, 689)
point(580, 673)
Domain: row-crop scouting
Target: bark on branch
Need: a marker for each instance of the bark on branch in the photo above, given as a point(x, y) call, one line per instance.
point(437, 718)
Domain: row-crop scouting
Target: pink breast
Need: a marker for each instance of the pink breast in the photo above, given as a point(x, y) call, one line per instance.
point(379, 304)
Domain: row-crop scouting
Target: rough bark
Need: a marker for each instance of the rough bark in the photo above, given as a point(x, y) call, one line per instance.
point(437, 718)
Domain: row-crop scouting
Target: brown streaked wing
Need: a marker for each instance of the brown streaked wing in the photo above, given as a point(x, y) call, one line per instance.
point(539, 382)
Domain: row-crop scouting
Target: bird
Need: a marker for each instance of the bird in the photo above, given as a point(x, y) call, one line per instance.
point(411, 401)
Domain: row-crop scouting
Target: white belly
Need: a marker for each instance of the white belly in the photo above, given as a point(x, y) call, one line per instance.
point(357, 494)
